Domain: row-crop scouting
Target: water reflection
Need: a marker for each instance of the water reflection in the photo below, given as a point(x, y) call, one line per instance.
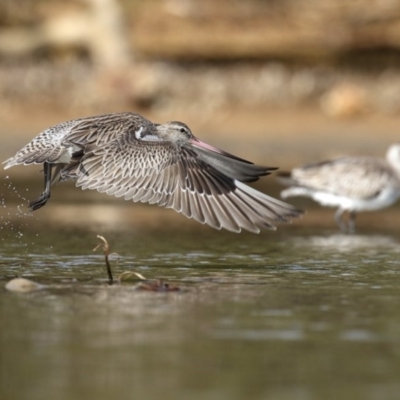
point(346, 243)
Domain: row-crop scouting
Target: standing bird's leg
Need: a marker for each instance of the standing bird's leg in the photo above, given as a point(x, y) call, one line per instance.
point(42, 200)
point(339, 220)
point(352, 222)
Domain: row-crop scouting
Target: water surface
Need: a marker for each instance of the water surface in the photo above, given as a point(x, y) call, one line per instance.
point(302, 313)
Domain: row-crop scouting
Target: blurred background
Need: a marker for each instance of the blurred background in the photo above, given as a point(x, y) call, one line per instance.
point(280, 82)
point(302, 313)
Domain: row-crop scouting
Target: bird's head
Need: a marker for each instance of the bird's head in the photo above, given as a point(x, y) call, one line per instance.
point(175, 131)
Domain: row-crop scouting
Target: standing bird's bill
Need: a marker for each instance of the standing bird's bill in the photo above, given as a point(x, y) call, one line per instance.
point(126, 155)
point(351, 184)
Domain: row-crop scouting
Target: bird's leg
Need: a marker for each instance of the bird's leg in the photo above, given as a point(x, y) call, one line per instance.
point(41, 201)
point(339, 220)
point(352, 222)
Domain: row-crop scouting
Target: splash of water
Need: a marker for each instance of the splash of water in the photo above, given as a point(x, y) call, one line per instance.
point(13, 214)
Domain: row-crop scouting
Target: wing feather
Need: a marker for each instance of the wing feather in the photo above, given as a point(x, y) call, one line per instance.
point(62, 140)
point(172, 176)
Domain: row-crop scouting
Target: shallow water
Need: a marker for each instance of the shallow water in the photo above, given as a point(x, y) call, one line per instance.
point(301, 313)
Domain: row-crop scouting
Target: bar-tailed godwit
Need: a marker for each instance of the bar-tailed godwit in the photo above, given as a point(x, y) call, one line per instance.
point(352, 184)
point(126, 155)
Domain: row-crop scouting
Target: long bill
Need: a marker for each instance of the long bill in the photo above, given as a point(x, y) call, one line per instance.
point(230, 165)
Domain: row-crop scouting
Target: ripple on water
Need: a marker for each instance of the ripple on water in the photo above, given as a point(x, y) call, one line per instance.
point(260, 335)
point(359, 335)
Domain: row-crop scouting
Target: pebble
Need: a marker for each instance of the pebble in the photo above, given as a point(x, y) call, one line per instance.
point(22, 285)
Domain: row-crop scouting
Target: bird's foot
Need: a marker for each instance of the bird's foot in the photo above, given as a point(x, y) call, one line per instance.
point(351, 225)
point(351, 228)
point(38, 203)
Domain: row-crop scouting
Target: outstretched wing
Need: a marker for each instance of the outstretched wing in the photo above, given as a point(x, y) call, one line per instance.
point(164, 173)
point(101, 129)
point(46, 147)
point(58, 143)
point(361, 177)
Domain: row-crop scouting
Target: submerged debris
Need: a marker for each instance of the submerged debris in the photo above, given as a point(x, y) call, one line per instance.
point(153, 285)
point(22, 285)
point(157, 285)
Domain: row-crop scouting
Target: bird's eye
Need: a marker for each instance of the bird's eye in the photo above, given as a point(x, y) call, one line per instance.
point(182, 130)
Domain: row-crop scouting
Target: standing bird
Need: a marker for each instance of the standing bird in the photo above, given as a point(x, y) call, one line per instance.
point(126, 155)
point(352, 184)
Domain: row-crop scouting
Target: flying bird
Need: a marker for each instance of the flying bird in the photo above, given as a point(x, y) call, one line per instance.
point(126, 155)
point(352, 184)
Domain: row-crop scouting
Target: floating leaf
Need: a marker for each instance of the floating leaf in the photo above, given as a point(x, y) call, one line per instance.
point(128, 274)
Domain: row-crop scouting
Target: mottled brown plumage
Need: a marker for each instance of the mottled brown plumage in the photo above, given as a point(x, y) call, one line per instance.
point(126, 155)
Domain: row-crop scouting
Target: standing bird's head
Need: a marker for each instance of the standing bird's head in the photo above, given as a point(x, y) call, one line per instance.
point(393, 157)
